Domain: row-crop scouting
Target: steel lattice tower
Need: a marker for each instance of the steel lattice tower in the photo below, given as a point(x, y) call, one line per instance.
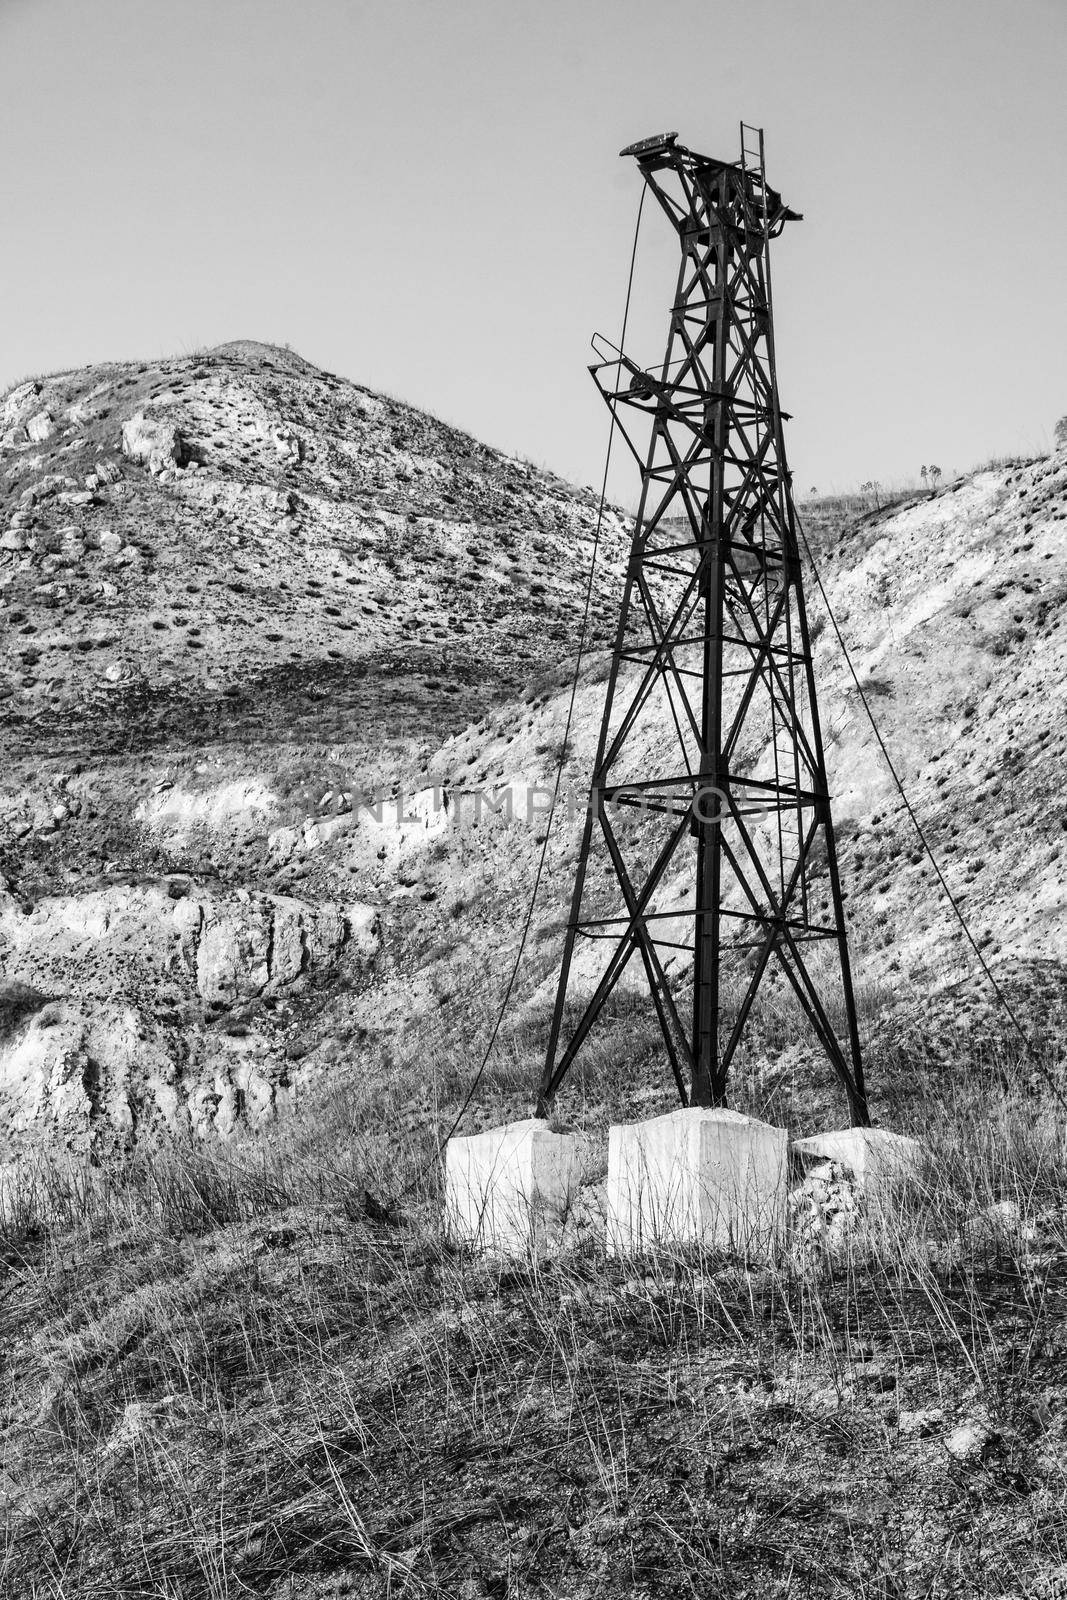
point(727, 859)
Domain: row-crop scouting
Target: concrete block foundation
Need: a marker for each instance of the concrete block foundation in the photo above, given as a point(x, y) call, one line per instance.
point(874, 1158)
point(507, 1190)
point(696, 1176)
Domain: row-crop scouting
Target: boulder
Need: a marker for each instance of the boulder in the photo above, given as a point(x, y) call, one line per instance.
point(970, 1441)
point(1004, 1224)
point(1059, 435)
point(188, 917)
point(231, 956)
point(287, 444)
point(153, 442)
point(51, 484)
point(41, 427)
point(282, 844)
point(364, 928)
point(290, 952)
point(19, 401)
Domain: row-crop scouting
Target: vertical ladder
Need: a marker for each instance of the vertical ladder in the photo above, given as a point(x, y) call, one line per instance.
point(753, 172)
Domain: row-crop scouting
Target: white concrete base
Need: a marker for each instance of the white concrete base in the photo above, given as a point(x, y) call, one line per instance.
point(874, 1157)
point(507, 1190)
point(696, 1176)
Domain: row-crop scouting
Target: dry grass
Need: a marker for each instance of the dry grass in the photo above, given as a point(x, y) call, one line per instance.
point(223, 1377)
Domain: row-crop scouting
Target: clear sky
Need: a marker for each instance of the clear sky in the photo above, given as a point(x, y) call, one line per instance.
point(425, 195)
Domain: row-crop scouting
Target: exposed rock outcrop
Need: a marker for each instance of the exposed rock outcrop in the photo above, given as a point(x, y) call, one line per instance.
point(153, 442)
point(97, 1076)
point(96, 1065)
point(41, 427)
point(127, 939)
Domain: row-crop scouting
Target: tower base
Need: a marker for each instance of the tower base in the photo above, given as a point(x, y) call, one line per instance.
point(696, 1176)
point(507, 1190)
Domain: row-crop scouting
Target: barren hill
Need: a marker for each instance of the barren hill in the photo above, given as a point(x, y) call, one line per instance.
point(234, 538)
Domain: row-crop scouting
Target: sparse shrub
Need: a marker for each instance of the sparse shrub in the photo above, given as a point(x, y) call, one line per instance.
point(879, 587)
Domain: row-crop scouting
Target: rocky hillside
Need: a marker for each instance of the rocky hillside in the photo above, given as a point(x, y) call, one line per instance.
point(208, 567)
point(199, 925)
point(239, 540)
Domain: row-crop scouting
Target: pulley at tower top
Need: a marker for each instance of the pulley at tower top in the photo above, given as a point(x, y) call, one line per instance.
point(764, 209)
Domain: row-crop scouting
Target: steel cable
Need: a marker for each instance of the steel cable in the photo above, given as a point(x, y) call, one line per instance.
point(920, 831)
point(587, 607)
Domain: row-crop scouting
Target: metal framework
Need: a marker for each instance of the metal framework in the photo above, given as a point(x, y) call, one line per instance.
point(723, 865)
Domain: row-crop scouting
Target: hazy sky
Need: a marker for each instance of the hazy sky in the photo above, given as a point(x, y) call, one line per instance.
point(425, 195)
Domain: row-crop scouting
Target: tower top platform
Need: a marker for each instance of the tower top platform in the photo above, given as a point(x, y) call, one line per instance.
point(662, 151)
